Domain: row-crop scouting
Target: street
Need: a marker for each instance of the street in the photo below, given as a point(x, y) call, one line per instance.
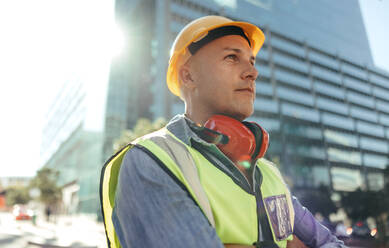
point(65, 231)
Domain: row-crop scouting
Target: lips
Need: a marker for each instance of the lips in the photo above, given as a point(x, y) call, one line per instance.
point(245, 90)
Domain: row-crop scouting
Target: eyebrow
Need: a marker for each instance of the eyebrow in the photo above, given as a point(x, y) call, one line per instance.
point(237, 50)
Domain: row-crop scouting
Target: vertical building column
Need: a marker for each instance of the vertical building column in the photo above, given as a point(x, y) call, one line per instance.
point(161, 104)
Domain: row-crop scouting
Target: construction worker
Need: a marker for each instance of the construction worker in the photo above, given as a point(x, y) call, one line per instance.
point(202, 181)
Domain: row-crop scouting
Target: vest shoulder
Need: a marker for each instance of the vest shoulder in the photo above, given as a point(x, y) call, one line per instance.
point(270, 165)
point(161, 133)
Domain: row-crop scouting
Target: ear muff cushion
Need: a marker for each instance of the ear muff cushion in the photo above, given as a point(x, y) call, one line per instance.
point(256, 130)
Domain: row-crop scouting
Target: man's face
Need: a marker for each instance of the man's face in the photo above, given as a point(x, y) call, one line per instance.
point(224, 76)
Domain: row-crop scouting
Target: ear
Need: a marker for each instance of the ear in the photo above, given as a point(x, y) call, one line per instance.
point(185, 76)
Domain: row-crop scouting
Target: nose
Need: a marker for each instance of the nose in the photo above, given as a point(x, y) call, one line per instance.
point(250, 72)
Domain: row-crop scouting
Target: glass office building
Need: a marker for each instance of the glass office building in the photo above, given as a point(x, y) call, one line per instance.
point(72, 141)
point(319, 95)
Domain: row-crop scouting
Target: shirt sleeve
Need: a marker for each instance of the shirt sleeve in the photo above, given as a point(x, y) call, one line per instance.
point(151, 210)
point(310, 231)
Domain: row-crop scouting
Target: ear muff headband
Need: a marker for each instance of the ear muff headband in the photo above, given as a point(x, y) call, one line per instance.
point(257, 131)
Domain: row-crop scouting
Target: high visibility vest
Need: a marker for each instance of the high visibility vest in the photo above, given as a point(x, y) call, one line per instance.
point(232, 211)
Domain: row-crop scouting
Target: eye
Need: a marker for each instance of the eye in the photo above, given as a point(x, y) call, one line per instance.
point(232, 57)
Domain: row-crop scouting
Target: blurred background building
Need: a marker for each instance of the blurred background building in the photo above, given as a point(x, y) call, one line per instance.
point(319, 95)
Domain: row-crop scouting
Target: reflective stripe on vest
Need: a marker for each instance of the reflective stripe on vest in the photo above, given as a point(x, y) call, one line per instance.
point(231, 210)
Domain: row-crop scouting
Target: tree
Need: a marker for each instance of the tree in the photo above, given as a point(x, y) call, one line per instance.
point(46, 181)
point(17, 195)
point(143, 126)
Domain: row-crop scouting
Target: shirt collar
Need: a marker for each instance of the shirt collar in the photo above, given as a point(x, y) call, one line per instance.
point(179, 125)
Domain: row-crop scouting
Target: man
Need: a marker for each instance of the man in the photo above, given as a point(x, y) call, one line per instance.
point(199, 182)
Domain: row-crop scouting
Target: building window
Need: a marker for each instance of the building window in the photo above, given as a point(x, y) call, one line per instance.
point(374, 144)
point(295, 96)
point(290, 62)
point(326, 74)
point(355, 84)
point(323, 59)
point(292, 79)
point(337, 121)
point(370, 129)
point(361, 113)
point(288, 46)
point(375, 161)
point(269, 124)
point(302, 130)
point(380, 80)
point(332, 105)
point(383, 106)
point(300, 112)
point(343, 156)
point(266, 105)
point(360, 99)
point(380, 92)
point(341, 138)
point(329, 90)
point(376, 181)
point(353, 70)
point(344, 179)
point(306, 150)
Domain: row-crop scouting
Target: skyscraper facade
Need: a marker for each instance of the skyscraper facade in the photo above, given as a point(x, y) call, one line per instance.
point(318, 94)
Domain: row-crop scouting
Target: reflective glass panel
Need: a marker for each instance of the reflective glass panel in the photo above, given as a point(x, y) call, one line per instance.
point(341, 138)
point(290, 62)
point(310, 150)
point(379, 80)
point(263, 71)
point(300, 112)
point(383, 106)
point(384, 119)
point(353, 83)
point(376, 161)
point(329, 90)
point(337, 121)
point(302, 130)
point(264, 88)
point(376, 181)
point(288, 46)
point(380, 92)
point(365, 114)
point(360, 99)
point(269, 124)
point(266, 105)
point(337, 155)
point(374, 144)
point(326, 74)
point(292, 79)
point(353, 70)
point(323, 59)
point(331, 105)
point(344, 179)
point(294, 95)
point(370, 129)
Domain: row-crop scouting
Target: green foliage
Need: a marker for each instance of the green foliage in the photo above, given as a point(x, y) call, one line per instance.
point(143, 126)
point(17, 195)
point(46, 181)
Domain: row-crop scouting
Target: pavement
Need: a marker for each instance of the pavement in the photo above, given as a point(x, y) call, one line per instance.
point(64, 232)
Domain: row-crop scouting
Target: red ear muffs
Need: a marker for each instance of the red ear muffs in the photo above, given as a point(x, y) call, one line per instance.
point(246, 141)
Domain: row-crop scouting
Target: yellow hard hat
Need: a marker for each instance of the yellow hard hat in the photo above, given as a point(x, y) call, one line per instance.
point(195, 31)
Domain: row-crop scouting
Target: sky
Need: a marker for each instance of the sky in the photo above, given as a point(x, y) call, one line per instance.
point(44, 43)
